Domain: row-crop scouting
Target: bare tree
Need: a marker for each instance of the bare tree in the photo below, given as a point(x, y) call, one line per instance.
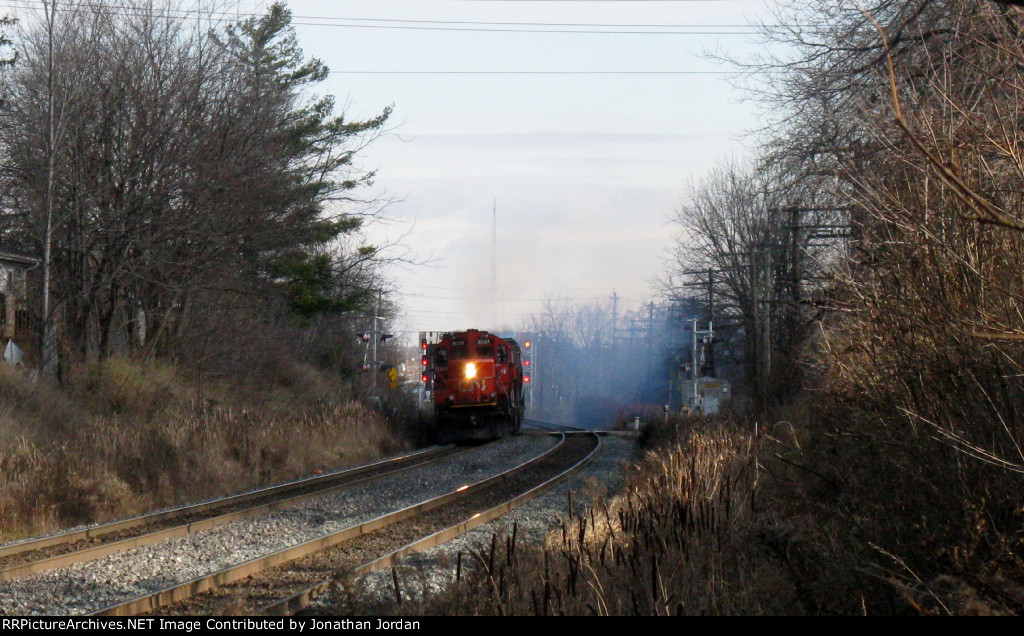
point(199, 164)
point(749, 245)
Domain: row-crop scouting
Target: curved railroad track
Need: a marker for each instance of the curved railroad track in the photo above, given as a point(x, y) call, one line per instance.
point(287, 580)
point(61, 550)
point(552, 426)
point(87, 587)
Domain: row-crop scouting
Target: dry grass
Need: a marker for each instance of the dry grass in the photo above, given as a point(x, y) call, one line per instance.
point(124, 438)
point(885, 520)
point(820, 514)
point(682, 539)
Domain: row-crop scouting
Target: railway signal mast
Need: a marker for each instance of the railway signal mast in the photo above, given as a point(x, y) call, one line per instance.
point(528, 370)
point(371, 361)
point(427, 341)
point(707, 335)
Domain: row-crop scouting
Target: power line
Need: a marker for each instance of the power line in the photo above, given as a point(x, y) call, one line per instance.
point(582, 25)
point(609, 1)
point(438, 25)
point(365, 72)
point(222, 16)
point(581, 31)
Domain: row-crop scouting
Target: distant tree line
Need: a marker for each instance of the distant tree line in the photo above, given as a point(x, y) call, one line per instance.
point(188, 194)
point(596, 361)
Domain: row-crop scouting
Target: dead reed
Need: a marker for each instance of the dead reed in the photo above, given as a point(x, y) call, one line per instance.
point(676, 542)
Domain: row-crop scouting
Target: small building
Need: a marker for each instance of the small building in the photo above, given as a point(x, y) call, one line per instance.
point(705, 396)
point(14, 268)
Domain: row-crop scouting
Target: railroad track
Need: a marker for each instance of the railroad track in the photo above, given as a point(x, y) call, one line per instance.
point(38, 555)
point(286, 581)
point(552, 426)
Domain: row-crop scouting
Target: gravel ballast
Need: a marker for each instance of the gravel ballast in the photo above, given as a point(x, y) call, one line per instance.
point(87, 587)
point(430, 571)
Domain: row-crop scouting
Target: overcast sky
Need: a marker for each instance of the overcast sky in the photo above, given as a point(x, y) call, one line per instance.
point(584, 142)
point(581, 122)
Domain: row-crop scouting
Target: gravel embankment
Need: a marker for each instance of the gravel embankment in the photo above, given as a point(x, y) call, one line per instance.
point(248, 595)
point(91, 586)
point(432, 570)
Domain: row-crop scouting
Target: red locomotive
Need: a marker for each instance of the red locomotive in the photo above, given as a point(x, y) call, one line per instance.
point(477, 380)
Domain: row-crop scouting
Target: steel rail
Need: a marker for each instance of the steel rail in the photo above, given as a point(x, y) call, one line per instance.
point(552, 426)
point(350, 477)
point(572, 430)
point(301, 600)
point(177, 593)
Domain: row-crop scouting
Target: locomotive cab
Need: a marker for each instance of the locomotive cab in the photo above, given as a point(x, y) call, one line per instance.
point(478, 386)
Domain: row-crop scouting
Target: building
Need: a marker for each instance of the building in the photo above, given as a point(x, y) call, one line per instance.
point(14, 269)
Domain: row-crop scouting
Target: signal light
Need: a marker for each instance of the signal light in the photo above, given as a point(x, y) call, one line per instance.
point(526, 363)
point(425, 360)
point(365, 337)
point(423, 344)
point(425, 378)
point(526, 379)
point(527, 344)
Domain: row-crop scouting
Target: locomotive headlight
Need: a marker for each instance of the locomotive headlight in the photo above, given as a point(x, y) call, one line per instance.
point(470, 370)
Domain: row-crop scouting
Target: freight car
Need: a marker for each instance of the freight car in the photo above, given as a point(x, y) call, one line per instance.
point(477, 385)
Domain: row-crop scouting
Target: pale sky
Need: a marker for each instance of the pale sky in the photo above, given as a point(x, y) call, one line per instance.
point(583, 166)
point(582, 122)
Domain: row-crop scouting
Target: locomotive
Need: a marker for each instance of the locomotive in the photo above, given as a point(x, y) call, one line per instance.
point(477, 381)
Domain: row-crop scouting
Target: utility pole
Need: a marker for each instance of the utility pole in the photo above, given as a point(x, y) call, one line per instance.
point(755, 308)
point(761, 286)
point(794, 253)
point(650, 339)
point(711, 320)
point(766, 313)
point(615, 314)
point(378, 335)
point(711, 294)
point(694, 369)
point(494, 265)
point(615, 341)
point(49, 336)
point(795, 263)
point(760, 298)
point(374, 366)
point(707, 336)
